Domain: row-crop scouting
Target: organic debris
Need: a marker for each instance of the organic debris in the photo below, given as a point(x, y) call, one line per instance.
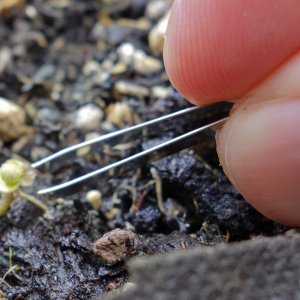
point(116, 246)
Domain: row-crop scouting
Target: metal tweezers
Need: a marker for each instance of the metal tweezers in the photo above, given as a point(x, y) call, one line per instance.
point(192, 121)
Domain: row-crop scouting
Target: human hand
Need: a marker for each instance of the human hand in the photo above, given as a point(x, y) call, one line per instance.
point(248, 51)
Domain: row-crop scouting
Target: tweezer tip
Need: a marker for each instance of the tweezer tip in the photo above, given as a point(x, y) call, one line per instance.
point(44, 191)
point(52, 189)
point(35, 165)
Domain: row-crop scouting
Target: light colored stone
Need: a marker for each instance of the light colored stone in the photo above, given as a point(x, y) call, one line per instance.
point(5, 58)
point(89, 117)
point(156, 35)
point(126, 53)
point(145, 64)
point(141, 62)
point(119, 114)
point(129, 88)
point(157, 8)
point(12, 120)
point(160, 92)
point(94, 197)
point(91, 67)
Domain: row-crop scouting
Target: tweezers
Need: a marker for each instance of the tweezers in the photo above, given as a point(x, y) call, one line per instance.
point(192, 122)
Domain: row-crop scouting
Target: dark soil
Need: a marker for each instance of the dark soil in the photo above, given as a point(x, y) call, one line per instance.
point(49, 44)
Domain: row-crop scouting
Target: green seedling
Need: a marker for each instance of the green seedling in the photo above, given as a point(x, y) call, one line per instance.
point(15, 174)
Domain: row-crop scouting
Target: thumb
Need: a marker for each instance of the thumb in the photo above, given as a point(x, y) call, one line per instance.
point(259, 147)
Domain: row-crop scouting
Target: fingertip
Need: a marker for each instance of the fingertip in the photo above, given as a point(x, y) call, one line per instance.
point(216, 50)
point(259, 150)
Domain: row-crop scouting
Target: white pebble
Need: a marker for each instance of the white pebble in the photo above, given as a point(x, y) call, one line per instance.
point(89, 117)
point(126, 52)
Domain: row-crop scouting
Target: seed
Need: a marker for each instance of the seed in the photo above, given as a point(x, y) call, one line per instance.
point(94, 197)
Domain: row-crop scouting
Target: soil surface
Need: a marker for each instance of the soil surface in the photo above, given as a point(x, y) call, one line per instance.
point(80, 69)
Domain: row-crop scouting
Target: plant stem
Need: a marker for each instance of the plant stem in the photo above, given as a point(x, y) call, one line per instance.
point(5, 202)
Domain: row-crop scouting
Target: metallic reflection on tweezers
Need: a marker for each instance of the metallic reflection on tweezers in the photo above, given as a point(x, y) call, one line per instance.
point(190, 123)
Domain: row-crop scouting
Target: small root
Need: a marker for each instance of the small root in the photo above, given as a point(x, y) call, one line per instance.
point(10, 270)
point(35, 201)
point(158, 189)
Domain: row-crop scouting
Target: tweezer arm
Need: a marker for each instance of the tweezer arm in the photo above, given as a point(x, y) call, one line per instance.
point(116, 137)
point(206, 116)
point(155, 153)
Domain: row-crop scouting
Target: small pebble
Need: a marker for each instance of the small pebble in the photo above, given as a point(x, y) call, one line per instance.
point(83, 151)
point(116, 246)
point(129, 88)
point(145, 64)
point(115, 6)
point(5, 58)
point(157, 8)
point(160, 92)
point(156, 35)
point(91, 135)
point(44, 73)
point(118, 68)
point(94, 197)
point(12, 120)
point(91, 67)
point(141, 62)
point(112, 213)
point(31, 11)
point(89, 117)
point(119, 114)
point(126, 52)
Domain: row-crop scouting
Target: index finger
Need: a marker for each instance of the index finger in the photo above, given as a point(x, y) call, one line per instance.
point(216, 50)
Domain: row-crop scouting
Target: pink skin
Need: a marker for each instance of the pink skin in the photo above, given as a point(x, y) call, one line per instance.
point(246, 50)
